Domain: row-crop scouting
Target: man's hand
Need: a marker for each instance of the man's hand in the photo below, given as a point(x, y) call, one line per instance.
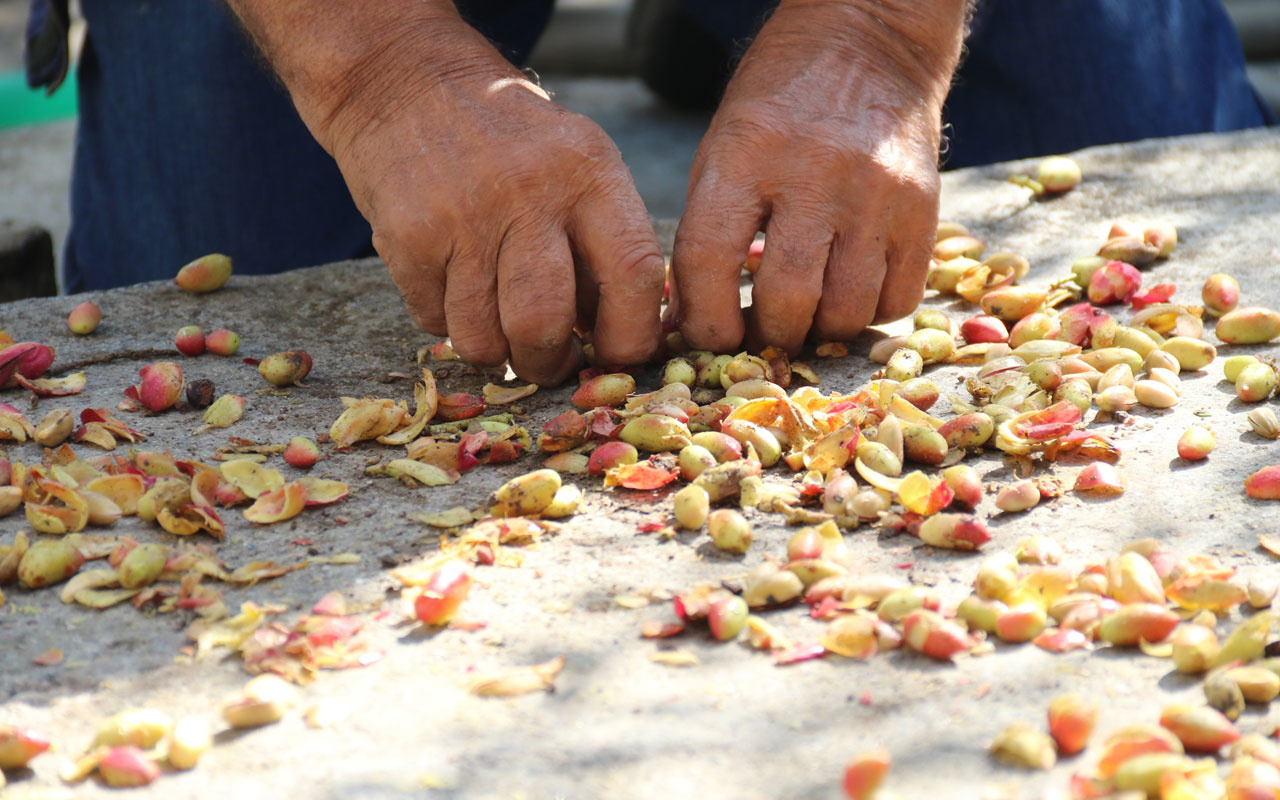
point(827, 139)
point(504, 218)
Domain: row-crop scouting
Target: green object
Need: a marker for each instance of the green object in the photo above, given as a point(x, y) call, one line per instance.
point(20, 105)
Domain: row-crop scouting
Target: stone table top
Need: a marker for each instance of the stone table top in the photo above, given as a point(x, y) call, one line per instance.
point(618, 724)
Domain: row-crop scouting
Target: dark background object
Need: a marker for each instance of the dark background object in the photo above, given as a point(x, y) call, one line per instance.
point(26, 262)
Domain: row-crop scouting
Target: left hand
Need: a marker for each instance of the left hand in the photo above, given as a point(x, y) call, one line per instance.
point(827, 139)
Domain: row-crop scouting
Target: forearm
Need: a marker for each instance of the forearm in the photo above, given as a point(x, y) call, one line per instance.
point(372, 54)
point(918, 41)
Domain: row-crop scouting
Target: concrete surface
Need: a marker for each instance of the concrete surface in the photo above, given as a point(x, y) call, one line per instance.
point(618, 724)
point(35, 171)
point(13, 20)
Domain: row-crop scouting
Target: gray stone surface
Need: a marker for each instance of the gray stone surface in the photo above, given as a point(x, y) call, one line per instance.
point(35, 170)
point(13, 16)
point(619, 725)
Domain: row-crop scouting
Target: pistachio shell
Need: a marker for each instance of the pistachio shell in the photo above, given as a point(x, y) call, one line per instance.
point(206, 274)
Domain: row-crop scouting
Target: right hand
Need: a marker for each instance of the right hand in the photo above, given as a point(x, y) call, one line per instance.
point(826, 139)
point(504, 218)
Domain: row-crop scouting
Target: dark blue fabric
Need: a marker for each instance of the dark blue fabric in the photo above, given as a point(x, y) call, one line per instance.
point(512, 25)
point(187, 144)
point(45, 52)
point(1054, 76)
point(734, 23)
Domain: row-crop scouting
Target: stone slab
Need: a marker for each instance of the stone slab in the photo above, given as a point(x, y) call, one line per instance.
point(620, 725)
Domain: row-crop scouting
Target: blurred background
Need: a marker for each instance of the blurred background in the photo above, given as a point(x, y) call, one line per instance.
point(584, 60)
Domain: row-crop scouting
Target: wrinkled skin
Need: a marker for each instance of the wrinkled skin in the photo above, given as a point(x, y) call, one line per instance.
point(481, 234)
point(507, 220)
point(835, 158)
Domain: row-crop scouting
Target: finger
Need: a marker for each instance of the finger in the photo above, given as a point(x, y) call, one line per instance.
point(851, 284)
point(788, 284)
point(671, 314)
point(907, 264)
point(613, 234)
point(420, 284)
point(536, 302)
point(587, 295)
point(471, 308)
point(712, 241)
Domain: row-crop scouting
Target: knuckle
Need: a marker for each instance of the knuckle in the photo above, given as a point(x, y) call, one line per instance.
point(812, 202)
point(588, 141)
point(533, 289)
point(578, 131)
point(914, 185)
point(519, 177)
point(822, 156)
point(469, 300)
point(576, 152)
point(690, 249)
point(752, 127)
point(811, 193)
point(639, 265)
point(792, 275)
point(702, 247)
point(794, 257)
